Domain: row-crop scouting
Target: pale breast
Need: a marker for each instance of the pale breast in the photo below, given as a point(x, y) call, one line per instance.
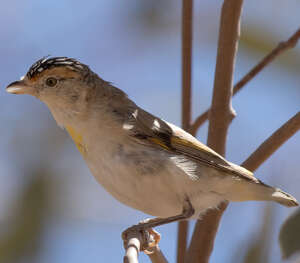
point(153, 181)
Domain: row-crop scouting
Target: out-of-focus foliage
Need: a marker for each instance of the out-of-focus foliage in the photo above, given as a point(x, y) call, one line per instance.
point(258, 244)
point(152, 14)
point(262, 42)
point(289, 236)
point(22, 238)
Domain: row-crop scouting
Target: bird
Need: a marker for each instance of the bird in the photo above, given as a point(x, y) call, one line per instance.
point(143, 161)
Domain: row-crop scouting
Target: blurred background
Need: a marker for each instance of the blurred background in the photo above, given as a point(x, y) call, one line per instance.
point(51, 208)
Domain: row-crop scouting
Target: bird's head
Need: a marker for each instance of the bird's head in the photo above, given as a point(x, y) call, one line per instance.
point(64, 84)
point(58, 80)
point(69, 88)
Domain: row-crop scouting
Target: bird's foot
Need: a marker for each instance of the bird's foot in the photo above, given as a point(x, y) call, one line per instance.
point(150, 237)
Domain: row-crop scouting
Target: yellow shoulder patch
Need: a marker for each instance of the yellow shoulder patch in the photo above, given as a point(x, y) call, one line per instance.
point(192, 144)
point(159, 142)
point(77, 138)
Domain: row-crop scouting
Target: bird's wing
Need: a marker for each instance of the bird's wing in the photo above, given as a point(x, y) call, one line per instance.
point(148, 129)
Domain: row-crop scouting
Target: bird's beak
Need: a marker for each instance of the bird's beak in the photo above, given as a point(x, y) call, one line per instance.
point(19, 87)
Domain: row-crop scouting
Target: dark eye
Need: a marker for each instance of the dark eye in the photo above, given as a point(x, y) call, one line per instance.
point(51, 82)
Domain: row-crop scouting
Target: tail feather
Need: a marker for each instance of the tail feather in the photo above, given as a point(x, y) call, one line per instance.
point(283, 198)
point(259, 191)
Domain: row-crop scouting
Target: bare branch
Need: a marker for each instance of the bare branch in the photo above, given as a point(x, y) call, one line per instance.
point(198, 122)
point(132, 247)
point(221, 112)
point(182, 231)
point(201, 235)
point(146, 241)
point(157, 256)
point(269, 146)
point(281, 48)
point(187, 15)
point(187, 37)
point(221, 115)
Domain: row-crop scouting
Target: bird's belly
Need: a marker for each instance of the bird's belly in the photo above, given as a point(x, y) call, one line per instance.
point(142, 192)
point(138, 181)
point(149, 182)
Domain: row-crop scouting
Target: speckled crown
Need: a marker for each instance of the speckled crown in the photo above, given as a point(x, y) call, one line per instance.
point(47, 63)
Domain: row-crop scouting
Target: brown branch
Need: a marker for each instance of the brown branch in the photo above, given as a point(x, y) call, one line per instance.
point(269, 146)
point(221, 112)
point(196, 252)
point(182, 232)
point(263, 152)
point(187, 14)
point(157, 256)
point(199, 122)
point(187, 37)
point(221, 115)
point(281, 47)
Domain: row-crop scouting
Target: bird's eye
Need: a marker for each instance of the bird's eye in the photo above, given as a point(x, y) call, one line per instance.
point(51, 82)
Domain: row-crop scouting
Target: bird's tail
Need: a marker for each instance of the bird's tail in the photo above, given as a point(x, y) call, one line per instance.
point(283, 198)
point(259, 191)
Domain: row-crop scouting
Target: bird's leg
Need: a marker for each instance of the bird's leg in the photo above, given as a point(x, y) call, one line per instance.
point(143, 226)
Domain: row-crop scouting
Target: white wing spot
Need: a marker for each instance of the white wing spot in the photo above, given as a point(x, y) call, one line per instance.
point(135, 114)
point(156, 125)
point(127, 126)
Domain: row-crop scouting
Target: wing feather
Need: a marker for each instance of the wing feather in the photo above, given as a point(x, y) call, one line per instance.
point(150, 130)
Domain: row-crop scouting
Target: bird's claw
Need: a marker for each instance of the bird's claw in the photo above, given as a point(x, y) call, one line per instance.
point(150, 237)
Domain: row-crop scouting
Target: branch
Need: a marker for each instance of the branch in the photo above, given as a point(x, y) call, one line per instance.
point(187, 15)
point(263, 152)
point(182, 232)
point(187, 37)
point(157, 256)
point(221, 115)
point(281, 47)
point(269, 146)
point(137, 241)
point(133, 247)
point(197, 253)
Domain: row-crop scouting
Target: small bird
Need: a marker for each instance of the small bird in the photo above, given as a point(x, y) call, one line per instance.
point(143, 161)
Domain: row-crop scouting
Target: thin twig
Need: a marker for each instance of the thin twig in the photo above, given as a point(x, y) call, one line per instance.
point(133, 247)
point(281, 47)
point(135, 241)
point(221, 115)
point(187, 15)
point(269, 146)
point(187, 37)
